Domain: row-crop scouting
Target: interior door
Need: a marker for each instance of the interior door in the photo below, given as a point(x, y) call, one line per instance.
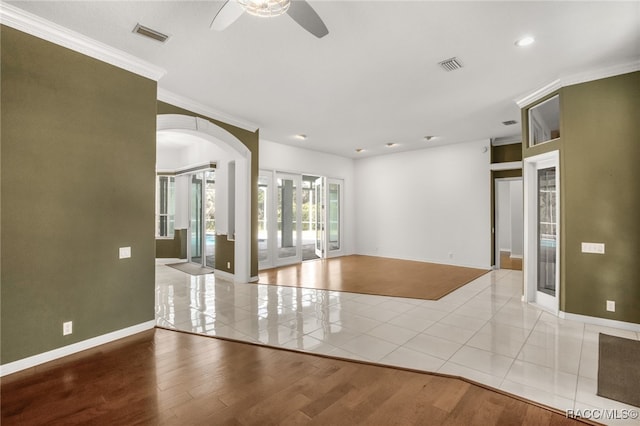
point(320, 217)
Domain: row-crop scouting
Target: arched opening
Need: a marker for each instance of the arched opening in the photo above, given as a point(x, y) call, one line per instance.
point(235, 216)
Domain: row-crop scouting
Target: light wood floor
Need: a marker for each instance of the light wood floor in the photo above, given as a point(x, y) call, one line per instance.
point(374, 275)
point(508, 262)
point(163, 377)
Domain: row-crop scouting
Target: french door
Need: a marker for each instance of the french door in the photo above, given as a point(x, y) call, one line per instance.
point(542, 230)
point(297, 216)
point(202, 225)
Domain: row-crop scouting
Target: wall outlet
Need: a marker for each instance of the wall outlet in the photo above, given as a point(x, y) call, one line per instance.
point(611, 305)
point(125, 252)
point(67, 328)
point(228, 265)
point(597, 248)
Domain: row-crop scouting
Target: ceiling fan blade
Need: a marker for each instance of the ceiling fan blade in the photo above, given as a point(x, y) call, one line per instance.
point(227, 15)
point(303, 14)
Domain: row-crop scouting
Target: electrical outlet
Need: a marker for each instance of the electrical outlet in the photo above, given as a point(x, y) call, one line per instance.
point(67, 328)
point(228, 265)
point(611, 305)
point(125, 252)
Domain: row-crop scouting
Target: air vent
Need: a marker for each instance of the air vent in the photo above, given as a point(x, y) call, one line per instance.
point(148, 32)
point(509, 122)
point(450, 64)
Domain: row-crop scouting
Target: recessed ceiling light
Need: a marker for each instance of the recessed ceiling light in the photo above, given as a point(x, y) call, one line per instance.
point(301, 136)
point(525, 41)
point(428, 138)
point(391, 144)
point(359, 150)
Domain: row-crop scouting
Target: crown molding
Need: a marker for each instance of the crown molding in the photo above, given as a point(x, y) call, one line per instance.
point(583, 77)
point(29, 23)
point(197, 107)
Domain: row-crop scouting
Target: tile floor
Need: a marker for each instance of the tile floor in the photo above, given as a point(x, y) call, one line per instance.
point(481, 331)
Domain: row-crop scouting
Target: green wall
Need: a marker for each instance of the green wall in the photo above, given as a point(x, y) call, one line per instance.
point(224, 248)
point(78, 169)
point(600, 200)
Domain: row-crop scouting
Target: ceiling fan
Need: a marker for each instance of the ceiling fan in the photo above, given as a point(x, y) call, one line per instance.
point(299, 10)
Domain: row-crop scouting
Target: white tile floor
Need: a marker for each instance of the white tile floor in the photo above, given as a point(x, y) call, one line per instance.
point(481, 331)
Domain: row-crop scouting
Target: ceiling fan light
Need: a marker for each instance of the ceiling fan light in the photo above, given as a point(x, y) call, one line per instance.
point(265, 8)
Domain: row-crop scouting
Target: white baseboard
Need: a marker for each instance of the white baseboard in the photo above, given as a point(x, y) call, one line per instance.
point(254, 279)
point(604, 322)
point(224, 275)
point(34, 360)
point(515, 256)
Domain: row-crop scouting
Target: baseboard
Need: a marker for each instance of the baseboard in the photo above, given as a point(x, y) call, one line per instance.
point(604, 322)
point(224, 275)
point(254, 279)
point(32, 361)
point(515, 256)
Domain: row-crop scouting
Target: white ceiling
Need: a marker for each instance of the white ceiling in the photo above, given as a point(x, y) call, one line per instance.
point(375, 78)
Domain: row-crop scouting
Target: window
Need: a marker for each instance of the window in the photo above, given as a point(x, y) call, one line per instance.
point(165, 206)
point(544, 121)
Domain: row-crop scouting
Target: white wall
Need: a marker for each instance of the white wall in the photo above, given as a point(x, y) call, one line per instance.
point(517, 218)
point(503, 194)
point(285, 158)
point(430, 205)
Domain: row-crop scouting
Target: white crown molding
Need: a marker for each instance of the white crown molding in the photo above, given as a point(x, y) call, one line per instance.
point(29, 23)
point(582, 77)
point(194, 106)
point(32, 361)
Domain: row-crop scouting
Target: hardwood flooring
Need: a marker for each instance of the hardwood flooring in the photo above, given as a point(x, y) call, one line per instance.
point(374, 275)
point(163, 377)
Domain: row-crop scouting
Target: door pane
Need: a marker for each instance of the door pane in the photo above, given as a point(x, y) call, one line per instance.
point(195, 219)
point(547, 230)
point(287, 212)
point(210, 219)
point(263, 218)
point(333, 217)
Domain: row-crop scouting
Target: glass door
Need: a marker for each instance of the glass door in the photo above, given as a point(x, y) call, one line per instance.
point(289, 223)
point(264, 219)
point(547, 249)
point(195, 219)
point(542, 230)
point(210, 219)
point(202, 219)
point(319, 217)
point(333, 216)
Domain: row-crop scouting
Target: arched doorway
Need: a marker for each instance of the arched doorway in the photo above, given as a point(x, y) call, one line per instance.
point(238, 212)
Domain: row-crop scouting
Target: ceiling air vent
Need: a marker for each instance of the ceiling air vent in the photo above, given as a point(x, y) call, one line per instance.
point(509, 122)
point(450, 64)
point(148, 32)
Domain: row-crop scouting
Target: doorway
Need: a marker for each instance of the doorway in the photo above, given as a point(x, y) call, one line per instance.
point(202, 223)
point(299, 218)
point(509, 232)
point(542, 230)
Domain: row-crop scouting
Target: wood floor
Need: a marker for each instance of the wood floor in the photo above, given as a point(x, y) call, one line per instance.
point(374, 275)
point(163, 377)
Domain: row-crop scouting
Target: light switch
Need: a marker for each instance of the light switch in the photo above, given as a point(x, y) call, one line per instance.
point(125, 252)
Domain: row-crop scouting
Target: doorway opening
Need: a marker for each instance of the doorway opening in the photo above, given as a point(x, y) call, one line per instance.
point(509, 232)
